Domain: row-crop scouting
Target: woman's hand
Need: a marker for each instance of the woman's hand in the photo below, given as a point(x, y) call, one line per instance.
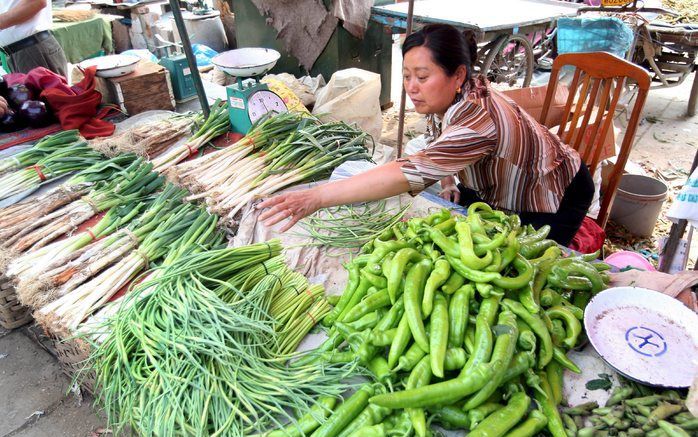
point(449, 189)
point(293, 206)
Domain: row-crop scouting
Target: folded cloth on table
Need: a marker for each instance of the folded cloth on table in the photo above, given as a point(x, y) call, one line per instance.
point(677, 285)
point(77, 107)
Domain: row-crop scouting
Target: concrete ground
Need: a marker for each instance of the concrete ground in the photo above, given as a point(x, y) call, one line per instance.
point(35, 397)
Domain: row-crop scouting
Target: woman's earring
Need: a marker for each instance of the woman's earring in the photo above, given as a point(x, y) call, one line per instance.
point(458, 90)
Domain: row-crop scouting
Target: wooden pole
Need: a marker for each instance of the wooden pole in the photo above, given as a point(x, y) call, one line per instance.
point(403, 96)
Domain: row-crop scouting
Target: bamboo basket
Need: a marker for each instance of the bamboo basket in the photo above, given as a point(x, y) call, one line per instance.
point(72, 354)
point(12, 313)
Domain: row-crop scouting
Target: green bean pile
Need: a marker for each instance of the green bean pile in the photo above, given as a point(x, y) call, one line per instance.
point(461, 320)
point(349, 226)
point(633, 410)
point(195, 351)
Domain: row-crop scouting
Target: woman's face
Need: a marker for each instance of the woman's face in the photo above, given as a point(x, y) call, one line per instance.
point(431, 90)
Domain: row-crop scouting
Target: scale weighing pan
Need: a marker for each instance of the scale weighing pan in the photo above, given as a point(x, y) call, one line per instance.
point(645, 335)
point(112, 65)
point(246, 62)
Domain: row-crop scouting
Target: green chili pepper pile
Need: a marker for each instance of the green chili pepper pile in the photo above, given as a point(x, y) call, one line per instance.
point(463, 321)
point(633, 410)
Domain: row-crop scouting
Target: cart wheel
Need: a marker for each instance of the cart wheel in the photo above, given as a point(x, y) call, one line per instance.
point(510, 62)
point(693, 97)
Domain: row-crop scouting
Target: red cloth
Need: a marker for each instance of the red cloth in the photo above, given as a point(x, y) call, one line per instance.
point(589, 237)
point(76, 107)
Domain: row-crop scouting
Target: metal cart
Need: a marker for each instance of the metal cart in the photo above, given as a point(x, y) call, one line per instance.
point(508, 31)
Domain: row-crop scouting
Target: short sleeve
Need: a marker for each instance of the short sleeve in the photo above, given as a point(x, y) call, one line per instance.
point(469, 134)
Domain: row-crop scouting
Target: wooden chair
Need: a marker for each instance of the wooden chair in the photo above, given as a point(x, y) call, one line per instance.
point(596, 87)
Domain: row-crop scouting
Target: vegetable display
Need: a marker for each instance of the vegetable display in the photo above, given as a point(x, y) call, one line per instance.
point(44, 147)
point(447, 313)
point(195, 350)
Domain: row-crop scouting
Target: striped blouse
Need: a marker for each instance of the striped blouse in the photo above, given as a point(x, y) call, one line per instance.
point(498, 150)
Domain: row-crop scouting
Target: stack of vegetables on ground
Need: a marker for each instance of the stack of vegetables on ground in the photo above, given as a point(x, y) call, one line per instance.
point(200, 349)
point(633, 410)
point(281, 151)
point(463, 320)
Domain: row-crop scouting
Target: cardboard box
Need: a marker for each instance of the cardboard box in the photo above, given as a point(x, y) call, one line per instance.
point(147, 88)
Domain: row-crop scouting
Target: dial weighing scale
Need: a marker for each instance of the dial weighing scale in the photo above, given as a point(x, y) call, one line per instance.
point(248, 99)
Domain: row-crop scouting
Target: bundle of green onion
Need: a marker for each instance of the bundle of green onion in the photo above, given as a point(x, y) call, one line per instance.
point(43, 148)
point(66, 159)
point(13, 218)
point(285, 150)
point(194, 351)
point(215, 125)
point(135, 182)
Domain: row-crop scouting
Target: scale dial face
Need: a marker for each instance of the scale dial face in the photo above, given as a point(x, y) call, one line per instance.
point(264, 101)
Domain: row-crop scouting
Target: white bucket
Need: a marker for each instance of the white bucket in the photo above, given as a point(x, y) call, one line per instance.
point(638, 203)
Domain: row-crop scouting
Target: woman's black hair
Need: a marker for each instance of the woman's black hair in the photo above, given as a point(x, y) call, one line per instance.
point(449, 47)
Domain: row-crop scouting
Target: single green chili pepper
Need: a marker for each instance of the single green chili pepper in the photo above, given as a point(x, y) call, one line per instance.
point(438, 335)
point(495, 243)
point(345, 413)
point(535, 423)
point(469, 341)
point(538, 235)
point(467, 249)
point(382, 248)
point(458, 309)
point(414, 285)
point(397, 267)
point(378, 430)
point(379, 367)
point(483, 333)
point(550, 254)
point(470, 274)
point(502, 353)
point(477, 415)
point(382, 338)
point(410, 358)
point(336, 357)
point(511, 249)
point(450, 417)
point(392, 318)
point(644, 410)
point(438, 277)
point(550, 297)
point(547, 404)
point(484, 290)
point(402, 338)
point(525, 275)
point(445, 244)
point(569, 424)
point(574, 283)
point(352, 285)
point(309, 421)
point(528, 300)
point(561, 358)
point(496, 265)
point(371, 303)
point(645, 400)
point(502, 420)
point(369, 320)
point(455, 358)
point(538, 327)
point(672, 430)
point(555, 371)
point(371, 415)
point(566, 267)
point(419, 377)
point(377, 281)
point(521, 362)
point(475, 223)
point(531, 251)
point(356, 297)
point(618, 395)
point(558, 332)
point(527, 339)
point(454, 282)
point(441, 393)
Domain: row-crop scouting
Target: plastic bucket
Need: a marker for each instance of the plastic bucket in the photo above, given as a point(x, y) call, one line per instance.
point(638, 203)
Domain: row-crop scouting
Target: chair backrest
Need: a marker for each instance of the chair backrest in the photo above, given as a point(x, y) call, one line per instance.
point(598, 82)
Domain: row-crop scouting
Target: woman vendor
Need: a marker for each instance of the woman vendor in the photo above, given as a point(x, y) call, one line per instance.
point(500, 154)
